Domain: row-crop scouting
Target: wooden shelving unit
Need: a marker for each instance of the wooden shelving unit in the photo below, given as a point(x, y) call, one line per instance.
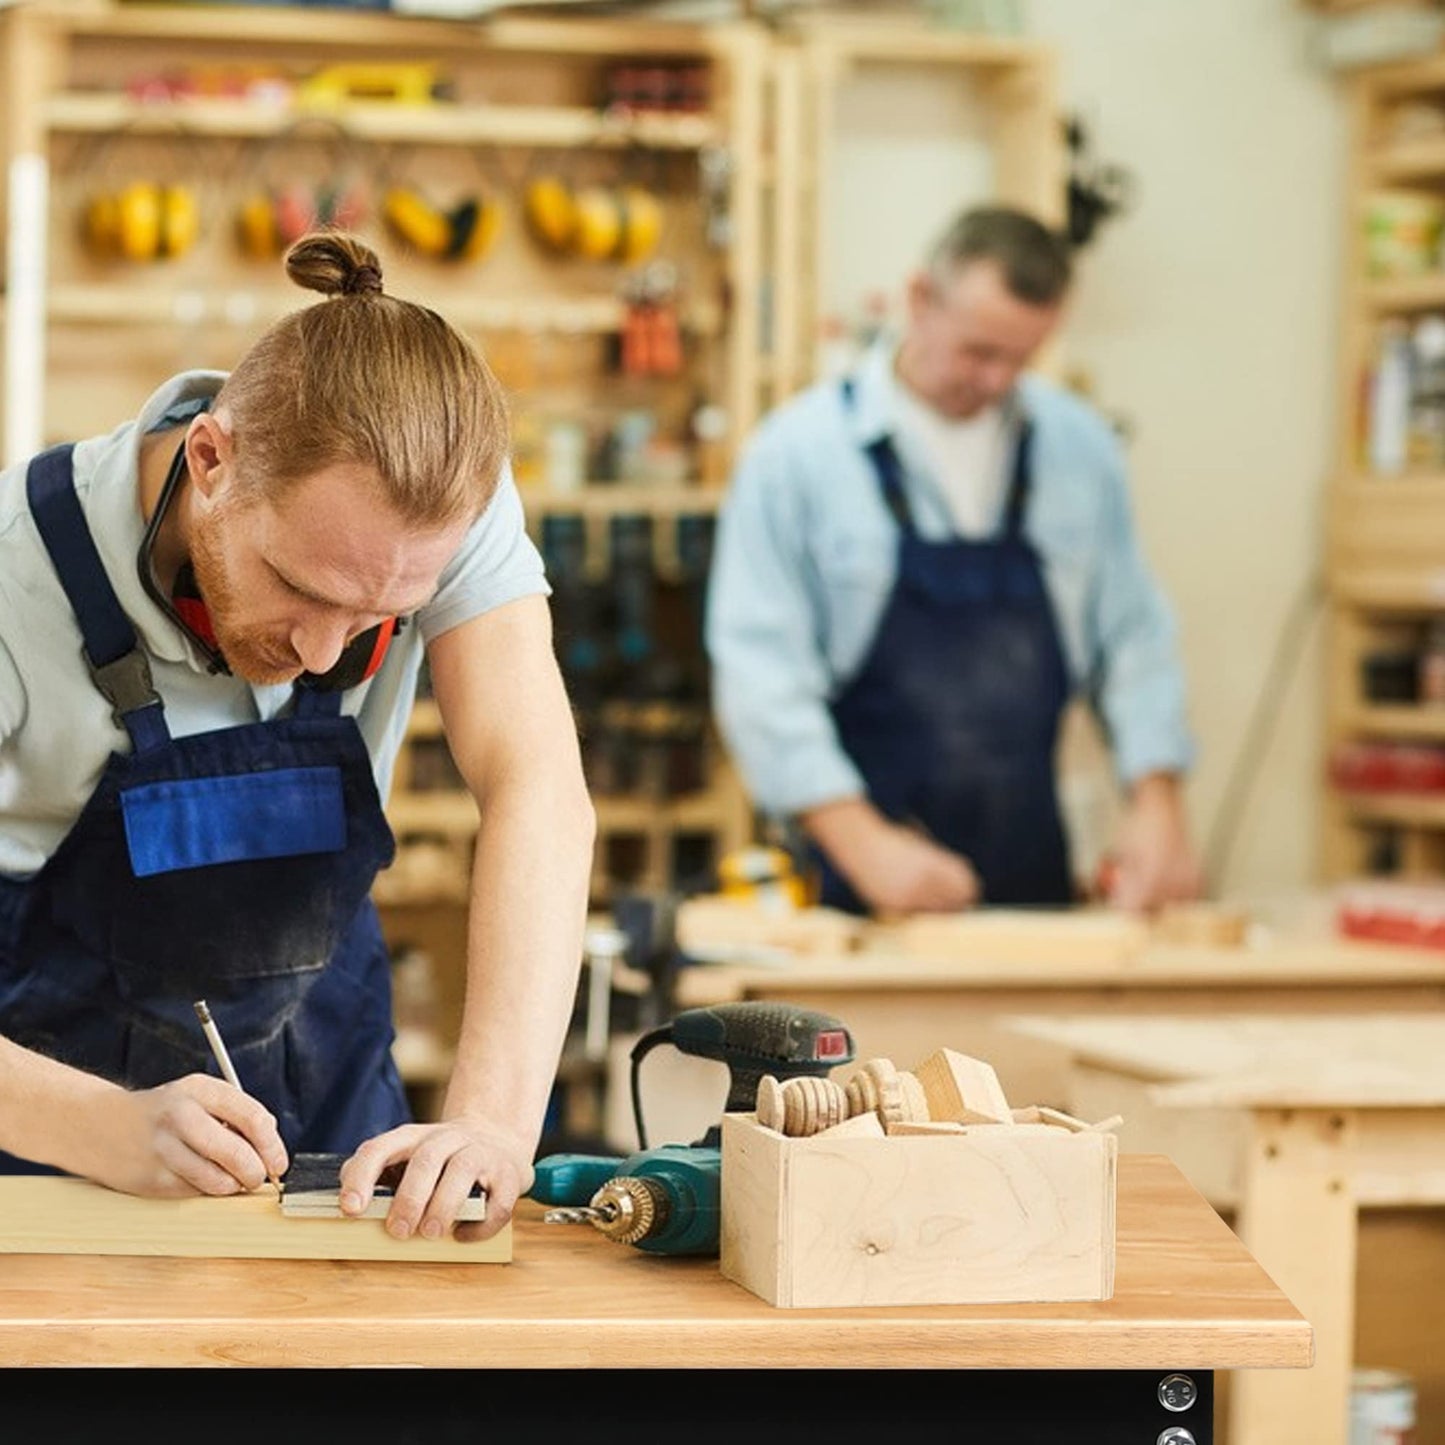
point(1385, 535)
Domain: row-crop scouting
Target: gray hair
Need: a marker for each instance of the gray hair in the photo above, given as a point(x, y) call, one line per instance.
point(1034, 260)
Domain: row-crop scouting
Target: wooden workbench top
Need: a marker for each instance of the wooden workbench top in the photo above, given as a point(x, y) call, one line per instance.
point(1188, 1296)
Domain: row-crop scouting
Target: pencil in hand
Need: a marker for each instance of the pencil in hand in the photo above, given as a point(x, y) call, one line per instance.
point(223, 1058)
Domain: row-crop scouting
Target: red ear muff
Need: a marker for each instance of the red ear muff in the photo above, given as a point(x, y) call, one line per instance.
point(383, 633)
point(360, 659)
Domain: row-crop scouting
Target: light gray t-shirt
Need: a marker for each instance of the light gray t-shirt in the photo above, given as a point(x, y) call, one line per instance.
point(56, 730)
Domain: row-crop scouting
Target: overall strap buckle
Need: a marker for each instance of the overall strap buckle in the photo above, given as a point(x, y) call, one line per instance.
point(125, 684)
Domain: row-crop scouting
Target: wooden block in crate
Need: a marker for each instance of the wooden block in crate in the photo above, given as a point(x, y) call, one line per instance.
point(962, 1089)
point(996, 1215)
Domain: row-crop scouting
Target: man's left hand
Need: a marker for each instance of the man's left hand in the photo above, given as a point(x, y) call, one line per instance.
point(1155, 862)
point(443, 1162)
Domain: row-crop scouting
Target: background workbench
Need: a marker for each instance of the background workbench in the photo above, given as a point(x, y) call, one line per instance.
point(903, 1005)
point(1294, 1125)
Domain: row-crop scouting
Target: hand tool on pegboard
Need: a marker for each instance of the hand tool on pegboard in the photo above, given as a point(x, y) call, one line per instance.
point(651, 331)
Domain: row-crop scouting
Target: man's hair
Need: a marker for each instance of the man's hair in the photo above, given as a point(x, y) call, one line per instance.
point(366, 379)
point(1034, 259)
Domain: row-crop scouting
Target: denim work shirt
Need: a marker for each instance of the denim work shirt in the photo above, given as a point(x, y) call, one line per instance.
point(806, 558)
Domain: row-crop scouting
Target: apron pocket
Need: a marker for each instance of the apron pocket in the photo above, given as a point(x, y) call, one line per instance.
point(196, 822)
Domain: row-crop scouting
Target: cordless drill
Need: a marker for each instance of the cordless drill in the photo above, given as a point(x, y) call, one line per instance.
point(667, 1200)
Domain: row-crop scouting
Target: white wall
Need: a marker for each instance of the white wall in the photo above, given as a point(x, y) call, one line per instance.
point(1207, 316)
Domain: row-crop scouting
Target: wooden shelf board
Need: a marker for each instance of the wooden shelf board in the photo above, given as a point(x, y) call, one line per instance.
point(702, 812)
point(453, 814)
point(359, 30)
point(107, 305)
point(1399, 721)
point(1404, 161)
point(1408, 77)
point(1405, 810)
point(426, 719)
point(1371, 486)
point(606, 499)
point(402, 896)
point(439, 123)
point(1389, 589)
point(891, 41)
point(1411, 293)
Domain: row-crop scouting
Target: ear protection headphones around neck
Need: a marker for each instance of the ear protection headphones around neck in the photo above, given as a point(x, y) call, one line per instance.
point(359, 660)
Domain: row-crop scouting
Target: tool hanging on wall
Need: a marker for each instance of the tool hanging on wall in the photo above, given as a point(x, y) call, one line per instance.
point(651, 340)
point(632, 578)
point(304, 178)
point(386, 82)
point(763, 874)
point(152, 215)
point(576, 606)
point(1095, 191)
point(715, 172)
point(693, 544)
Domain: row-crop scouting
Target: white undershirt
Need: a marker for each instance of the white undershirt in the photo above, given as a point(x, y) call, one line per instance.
point(966, 459)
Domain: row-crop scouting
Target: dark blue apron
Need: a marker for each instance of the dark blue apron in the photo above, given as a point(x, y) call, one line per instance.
point(953, 718)
point(234, 866)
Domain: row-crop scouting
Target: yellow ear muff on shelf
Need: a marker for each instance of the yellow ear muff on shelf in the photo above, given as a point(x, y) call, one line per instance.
point(256, 226)
point(143, 221)
point(599, 224)
point(180, 220)
point(476, 224)
point(551, 211)
point(415, 221)
point(102, 224)
point(641, 225)
point(466, 232)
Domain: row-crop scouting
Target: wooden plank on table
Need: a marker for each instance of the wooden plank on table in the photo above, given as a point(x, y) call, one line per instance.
point(717, 927)
point(51, 1215)
point(1076, 937)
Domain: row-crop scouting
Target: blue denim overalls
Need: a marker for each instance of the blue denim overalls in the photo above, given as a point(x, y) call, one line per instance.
point(233, 865)
point(953, 718)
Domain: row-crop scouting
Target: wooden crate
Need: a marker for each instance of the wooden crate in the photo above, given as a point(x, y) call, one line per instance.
point(998, 1213)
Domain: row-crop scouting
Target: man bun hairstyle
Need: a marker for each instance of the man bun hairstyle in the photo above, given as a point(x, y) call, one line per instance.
point(367, 379)
point(1035, 260)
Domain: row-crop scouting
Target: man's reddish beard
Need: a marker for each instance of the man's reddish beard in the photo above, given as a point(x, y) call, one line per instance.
point(248, 651)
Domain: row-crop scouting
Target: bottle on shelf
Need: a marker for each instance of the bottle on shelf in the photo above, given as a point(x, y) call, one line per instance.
point(1431, 688)
point(1427, 393)
point(1390, 401)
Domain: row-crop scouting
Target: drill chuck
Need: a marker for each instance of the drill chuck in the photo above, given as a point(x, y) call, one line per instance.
point(631, 1208)
point(665, 1200)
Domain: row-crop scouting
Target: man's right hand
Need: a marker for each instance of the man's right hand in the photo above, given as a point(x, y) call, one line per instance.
point(891, 867)
point(194, 1135)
